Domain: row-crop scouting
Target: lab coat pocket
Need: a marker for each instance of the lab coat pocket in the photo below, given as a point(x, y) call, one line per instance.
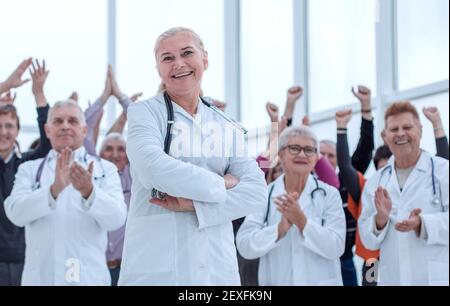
point(153, 241)
point(438, 273)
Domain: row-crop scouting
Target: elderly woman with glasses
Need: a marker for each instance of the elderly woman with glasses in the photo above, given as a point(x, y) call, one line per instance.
point(300, 234)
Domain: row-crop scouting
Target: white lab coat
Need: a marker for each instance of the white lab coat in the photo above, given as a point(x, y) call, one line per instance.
point(66, 239)
point(407, 259)
point(310, 258)
point(168, 248)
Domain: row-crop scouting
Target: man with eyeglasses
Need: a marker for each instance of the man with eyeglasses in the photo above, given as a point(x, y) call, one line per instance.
point(12, 238)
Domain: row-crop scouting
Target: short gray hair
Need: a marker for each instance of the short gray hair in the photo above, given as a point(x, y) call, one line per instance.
point(66, 103)
point(329, 143)
point(301, 131)
point(174, 31)
point(112, 136)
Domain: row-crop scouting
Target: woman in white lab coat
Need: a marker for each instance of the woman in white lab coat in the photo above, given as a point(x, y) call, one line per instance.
point(405, 207)
point(186, 237)
point(300, 234)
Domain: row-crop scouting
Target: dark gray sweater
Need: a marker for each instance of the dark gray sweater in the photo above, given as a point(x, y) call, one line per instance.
point(12, 238)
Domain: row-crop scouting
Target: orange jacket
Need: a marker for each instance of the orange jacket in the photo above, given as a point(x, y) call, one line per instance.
point(355, 210)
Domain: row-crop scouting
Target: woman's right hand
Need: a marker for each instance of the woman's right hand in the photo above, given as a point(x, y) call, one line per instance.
point(230, 181)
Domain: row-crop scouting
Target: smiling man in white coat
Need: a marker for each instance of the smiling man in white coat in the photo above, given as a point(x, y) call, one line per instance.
point(405, 207)
point(67, 203)
point(185, 238)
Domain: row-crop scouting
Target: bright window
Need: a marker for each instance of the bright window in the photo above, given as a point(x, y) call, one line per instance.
point(422, 42)
point(140, 22)
point(342, 50)
point(267, 57)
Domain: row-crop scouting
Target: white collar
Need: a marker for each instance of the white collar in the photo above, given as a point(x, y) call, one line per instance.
point(79, 155)
point(15, 151)
point(421, 165)
point(280, 187)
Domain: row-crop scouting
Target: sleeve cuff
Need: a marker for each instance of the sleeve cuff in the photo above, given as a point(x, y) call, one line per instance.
point(51, 201)
point(423, 230)
point(87, 204)
point(125, 101)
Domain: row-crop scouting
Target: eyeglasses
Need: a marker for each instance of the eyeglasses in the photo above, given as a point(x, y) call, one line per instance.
point(296, 150)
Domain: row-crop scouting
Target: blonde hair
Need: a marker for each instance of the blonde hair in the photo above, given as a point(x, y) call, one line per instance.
point(174, 31)
point(171, 33)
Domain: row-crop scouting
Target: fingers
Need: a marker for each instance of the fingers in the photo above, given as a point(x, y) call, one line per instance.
point(415, 213)
point(306, 121)
point(404, 227)
point(66, 157)
point(364, 90)
point(25, 64)
point(135, 97)
point(91, 168)
point(271, 107)
point(162, 203)
point(344, 114)
point(386, 195)
point(33, 67)
point(80, 171)
point(24, 82)
point(295, 90)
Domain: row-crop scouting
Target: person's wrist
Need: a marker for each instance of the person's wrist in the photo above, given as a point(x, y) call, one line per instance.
point(55, 190)
point(3, 87)
point(274, 119)
point(381, 221)
point(419, 226)
point(41, 100)
point(291, 101)
point(366, 109)
point(437, 125)
point(104, 97)
point(87, 192)
point(300, 221)
point(121, 96)
point(281, 231)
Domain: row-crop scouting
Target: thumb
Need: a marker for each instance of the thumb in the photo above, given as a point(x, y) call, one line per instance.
point(24, 82)
point(416, 212)
point(91, 168)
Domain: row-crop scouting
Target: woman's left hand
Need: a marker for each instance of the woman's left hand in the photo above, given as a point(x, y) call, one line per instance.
point(175, 204)
point(288, 206)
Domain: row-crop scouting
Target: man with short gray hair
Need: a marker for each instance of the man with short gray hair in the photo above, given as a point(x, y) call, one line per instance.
point(67, 203)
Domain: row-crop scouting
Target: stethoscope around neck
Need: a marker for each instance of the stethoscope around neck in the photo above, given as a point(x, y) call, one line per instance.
point(313, 193)
point(37, 181)
point(171, 121)
point(436, 199)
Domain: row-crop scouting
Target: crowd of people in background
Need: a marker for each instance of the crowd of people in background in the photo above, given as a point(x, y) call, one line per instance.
point(64, 204)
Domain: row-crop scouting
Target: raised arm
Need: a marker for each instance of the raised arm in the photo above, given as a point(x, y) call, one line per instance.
point(15, 80)
point(124, 101)
point(293, 95)
point(349, 175)
point(39, 75)
point(362, 157)
point(433, 115)
point(94, 114)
